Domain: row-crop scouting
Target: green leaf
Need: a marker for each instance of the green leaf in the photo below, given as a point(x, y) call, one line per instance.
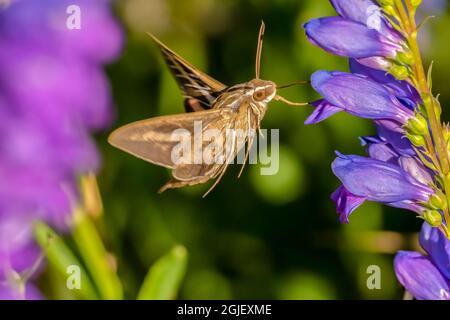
point(60, 257)
point(95, 257)
point(164, 277)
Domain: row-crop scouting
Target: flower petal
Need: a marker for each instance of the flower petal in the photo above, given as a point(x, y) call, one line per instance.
point(420, 277)
point(359, 95)
point(323, 110)
point(401, 89)
point(397, 140)
point(415, 169)
point(437, 246)
point(379, 149)
point(408, 205)
point(378, 181)
point(9, 293)
point(346, 203)
point(366, 12)
point(347, 38)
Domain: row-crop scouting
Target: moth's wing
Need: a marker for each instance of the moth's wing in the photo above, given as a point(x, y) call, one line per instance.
point(152, 140)
point(229, 147)
point(199, 89)
point(189, 172)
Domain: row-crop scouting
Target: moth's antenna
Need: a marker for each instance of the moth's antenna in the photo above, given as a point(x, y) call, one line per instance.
point(259, 49)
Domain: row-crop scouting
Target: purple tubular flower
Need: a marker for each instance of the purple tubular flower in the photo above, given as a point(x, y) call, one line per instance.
point(53, 94)
point(426, 277)
point(366, 12)
point(438, 248)
point(358, 95)
point(387, 177)
point(401, 89)
point(420, 277)
point(347, 38)
point(385, 151)
point(378, 181)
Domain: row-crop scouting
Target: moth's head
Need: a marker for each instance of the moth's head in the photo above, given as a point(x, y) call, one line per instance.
point(263, 90)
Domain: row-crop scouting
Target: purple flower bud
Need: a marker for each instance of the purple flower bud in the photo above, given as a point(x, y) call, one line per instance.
point(378, 181)
point(360, 96)
point(420, 277)
point(379, 149)
point(415, 169)
point(351, 39)
point(378, 63)
point(397, 140)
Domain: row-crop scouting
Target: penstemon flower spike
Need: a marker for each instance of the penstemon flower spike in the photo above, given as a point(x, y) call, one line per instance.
point(408, 164)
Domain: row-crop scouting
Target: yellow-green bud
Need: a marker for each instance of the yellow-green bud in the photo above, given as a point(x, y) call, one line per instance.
point(418, 141)
point(416, 3)
point(386, 2)
point(446, 133)
point(417, 125)
point(427, 100)
point(433, 217)
point(405, 57)
point(389, 10)
point(399, 72)
point(438, 201)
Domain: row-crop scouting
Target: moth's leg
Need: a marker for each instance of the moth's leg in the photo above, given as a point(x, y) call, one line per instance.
point(247, 154)
point(222, 172)
point(249, 144)
point(258, 119)
point(223, 168)
point(172, 184)
point(176, 184)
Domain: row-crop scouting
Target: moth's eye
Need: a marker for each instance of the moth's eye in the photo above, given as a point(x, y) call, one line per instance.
point(259, 95)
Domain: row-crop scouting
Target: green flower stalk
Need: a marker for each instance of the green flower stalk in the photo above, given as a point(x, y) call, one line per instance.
point(436, 140)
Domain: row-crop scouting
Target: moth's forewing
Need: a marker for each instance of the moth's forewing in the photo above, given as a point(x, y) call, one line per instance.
point(199, 89)
point(153, 140)
point(214, 152)
point(223, 147)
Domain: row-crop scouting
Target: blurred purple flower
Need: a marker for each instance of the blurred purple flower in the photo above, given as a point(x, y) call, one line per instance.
point(426, 277)
point(53, 93)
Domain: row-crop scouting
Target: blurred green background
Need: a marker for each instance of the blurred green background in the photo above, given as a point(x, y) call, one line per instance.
point(260, 237)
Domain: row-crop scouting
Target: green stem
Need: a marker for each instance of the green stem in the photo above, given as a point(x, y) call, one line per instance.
point(60, 257)
point(95, 256)
point(428, 98)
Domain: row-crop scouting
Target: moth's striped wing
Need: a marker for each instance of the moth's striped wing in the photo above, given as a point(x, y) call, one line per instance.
point(153, 140)
point(199, 89)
